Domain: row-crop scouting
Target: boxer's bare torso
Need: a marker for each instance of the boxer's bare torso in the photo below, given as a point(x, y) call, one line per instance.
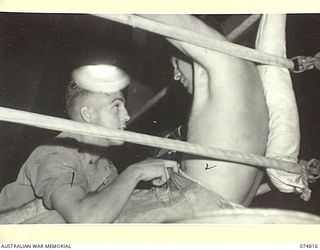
point(228, 112)
point(229, 115)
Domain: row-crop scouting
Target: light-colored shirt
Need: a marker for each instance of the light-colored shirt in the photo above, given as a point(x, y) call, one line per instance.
point(51, 165)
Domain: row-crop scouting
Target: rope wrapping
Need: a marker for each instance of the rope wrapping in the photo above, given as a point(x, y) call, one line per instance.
point(284, 130)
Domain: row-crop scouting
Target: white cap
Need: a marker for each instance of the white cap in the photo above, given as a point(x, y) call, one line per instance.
point(100, 78)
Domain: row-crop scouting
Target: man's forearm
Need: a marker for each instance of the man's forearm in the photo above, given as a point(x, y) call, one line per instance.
point(76, 206)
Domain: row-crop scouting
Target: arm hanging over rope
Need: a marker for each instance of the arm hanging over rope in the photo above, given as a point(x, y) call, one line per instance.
point(200, 40)
point(213, 44)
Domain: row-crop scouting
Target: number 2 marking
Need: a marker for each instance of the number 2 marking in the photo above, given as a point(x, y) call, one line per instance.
point(207, 166)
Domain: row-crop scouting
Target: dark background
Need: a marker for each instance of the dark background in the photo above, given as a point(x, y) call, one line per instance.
point(38, 51)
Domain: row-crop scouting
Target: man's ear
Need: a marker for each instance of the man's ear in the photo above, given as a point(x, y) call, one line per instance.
point(87, 114)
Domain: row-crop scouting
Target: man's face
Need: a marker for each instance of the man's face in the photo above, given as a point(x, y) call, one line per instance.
point(109, 111)
point(183, 72)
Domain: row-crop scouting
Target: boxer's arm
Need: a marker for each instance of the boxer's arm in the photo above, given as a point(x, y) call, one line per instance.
point(209, 59)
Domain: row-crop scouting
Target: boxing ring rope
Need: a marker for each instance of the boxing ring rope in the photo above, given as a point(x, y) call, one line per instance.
point(200, 40)
point(60, 124)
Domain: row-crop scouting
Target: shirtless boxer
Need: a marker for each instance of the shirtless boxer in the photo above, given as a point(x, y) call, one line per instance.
point(228, 111)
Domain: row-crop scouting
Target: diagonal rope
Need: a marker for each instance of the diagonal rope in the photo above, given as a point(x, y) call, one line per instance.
point(246, 24)
point(60, 124)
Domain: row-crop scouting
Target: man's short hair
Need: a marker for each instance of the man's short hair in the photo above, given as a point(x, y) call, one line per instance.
point(74, 92)
point(93, 79)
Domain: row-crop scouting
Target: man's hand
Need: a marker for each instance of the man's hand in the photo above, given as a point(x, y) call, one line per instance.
point(155, 170)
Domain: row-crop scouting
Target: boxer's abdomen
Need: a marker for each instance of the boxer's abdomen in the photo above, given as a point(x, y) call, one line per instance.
point(234, 117)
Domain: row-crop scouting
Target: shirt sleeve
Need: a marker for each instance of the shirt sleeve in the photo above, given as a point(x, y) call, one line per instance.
point(53, 169)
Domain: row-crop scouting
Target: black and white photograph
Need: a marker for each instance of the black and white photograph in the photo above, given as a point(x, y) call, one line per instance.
point(159, 118)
